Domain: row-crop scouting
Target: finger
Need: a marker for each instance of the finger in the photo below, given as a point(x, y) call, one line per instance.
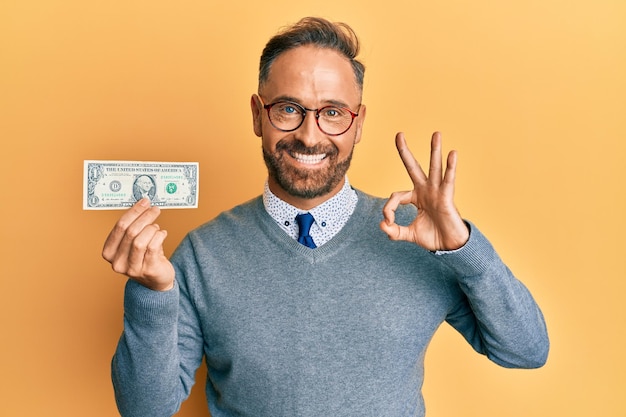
point(388, 225)
point(391, 230)
point(395, 231)
point(125, 260)
point(450, 174)
point(395, 200)
point(154, 255)
point(434, 171)
point(137, 251)
point(410, 163)
point(134, 230)
point(116, 235)
point(121, 258)
point(157, 272)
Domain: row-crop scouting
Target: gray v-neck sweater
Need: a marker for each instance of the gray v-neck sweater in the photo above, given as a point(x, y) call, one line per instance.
point(340, 330)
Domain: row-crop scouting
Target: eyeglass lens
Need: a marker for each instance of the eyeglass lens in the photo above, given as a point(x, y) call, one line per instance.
point(288, 116)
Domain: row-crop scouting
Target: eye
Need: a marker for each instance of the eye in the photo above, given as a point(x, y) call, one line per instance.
point(332, 113)
point(287, 109)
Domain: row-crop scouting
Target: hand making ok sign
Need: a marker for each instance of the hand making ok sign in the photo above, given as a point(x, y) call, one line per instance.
point(438, 224)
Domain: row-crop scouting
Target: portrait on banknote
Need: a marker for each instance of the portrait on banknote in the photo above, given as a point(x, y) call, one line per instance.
point(144, 187)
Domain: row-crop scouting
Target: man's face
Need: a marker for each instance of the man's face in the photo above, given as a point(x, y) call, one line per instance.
point(306, 165)
point(144, 183)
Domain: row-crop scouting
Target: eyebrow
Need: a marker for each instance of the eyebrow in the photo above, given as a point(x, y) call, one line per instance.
point(331, 102)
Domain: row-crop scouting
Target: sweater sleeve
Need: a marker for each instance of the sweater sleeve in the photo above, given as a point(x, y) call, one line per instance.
point(497, 314)
point(160, 349)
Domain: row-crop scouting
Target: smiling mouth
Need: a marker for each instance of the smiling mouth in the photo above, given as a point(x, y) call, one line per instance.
point(308, 159)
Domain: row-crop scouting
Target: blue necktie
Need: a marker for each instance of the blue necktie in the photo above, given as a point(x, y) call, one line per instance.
point(304, 223)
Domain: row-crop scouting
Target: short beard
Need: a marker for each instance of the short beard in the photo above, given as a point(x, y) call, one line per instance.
point(303, 183)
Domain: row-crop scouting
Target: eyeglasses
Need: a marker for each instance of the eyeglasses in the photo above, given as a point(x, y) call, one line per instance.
point(288, 116)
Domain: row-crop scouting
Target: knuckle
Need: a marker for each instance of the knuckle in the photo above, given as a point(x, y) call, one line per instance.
point(120, 227)
point(138, 246)
point(107, 257)
point(135, 230)
point(397, 193)
point(119, 267)
point(133, 272)
point(152, 249)
point(132, 232)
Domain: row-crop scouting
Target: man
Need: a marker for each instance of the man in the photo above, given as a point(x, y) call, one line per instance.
point(329, 321)
point(143, 187)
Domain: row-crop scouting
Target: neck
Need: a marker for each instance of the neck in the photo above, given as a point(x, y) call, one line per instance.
point(300, 202)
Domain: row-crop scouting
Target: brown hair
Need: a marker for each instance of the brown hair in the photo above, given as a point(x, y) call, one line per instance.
point(313, 31)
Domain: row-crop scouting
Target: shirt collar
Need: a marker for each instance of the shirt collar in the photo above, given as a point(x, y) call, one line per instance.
point(332, 213)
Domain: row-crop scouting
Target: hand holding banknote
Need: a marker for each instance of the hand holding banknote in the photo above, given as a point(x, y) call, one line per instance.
point(135, 248)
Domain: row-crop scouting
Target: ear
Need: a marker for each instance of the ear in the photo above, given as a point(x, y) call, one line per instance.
point(257, 114)
point(359, 124)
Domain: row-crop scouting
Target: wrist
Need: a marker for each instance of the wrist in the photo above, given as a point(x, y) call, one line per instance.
point(161, 287)
point(457, 236)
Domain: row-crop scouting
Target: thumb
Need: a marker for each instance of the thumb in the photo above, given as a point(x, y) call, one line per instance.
point(393, 230)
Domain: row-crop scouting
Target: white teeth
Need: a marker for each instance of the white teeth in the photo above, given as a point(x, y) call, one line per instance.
point(309, 159)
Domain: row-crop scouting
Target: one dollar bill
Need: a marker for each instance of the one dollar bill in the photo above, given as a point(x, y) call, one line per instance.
point(110, 185)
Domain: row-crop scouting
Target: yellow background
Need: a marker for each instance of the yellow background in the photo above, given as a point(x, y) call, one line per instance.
point(531, 93)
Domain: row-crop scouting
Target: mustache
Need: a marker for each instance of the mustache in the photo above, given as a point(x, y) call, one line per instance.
point(296, 146)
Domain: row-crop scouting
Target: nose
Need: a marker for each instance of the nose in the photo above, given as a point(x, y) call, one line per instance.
point(309, 133)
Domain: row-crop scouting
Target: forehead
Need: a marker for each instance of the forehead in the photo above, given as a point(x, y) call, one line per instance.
point(312, 74)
